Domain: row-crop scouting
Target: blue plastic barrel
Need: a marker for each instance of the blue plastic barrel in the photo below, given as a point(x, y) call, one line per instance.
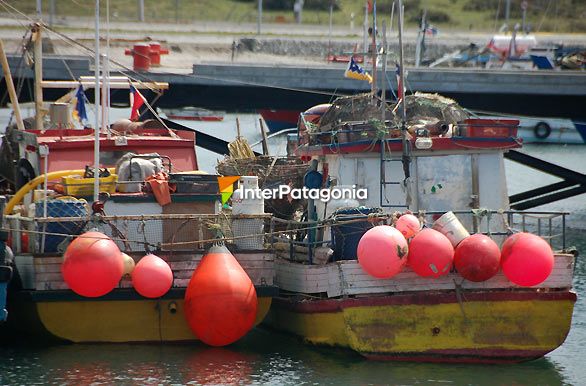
point(60, 208)
point(345, 237)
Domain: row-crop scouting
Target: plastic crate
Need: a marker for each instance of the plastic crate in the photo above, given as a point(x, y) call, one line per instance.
point(487, 128)
point(75, 186)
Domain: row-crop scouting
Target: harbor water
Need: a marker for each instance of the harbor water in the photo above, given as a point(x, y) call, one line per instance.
point(266, 357)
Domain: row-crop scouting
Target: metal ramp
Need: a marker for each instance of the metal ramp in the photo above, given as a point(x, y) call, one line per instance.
point(385, 158)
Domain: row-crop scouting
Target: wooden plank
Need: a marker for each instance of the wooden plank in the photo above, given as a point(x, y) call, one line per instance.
point(347, 277)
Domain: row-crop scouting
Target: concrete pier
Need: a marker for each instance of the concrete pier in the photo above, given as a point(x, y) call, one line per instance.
point(248, 87)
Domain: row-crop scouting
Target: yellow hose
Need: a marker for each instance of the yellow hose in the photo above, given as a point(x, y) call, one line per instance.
point(36, 182)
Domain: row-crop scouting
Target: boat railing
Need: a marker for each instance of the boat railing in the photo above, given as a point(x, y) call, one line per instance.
point(141, 233)
point(299, 240)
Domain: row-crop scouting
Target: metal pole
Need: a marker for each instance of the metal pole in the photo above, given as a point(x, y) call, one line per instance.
point(384, 74)
point(392, 17)
point(374, 53)
point(524, 18)
point(38, 53)
point(259, 17)
point(10, 87)
point(97, 106)
point(39, 9)
point(401, 63)
point(176, 11)
point(507, 12)
point(330, 27)
point(140, 10)
point(365, 33)
point(51, 12)
point(106, 77)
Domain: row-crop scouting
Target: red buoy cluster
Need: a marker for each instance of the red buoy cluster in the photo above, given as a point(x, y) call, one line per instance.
point(526, 259)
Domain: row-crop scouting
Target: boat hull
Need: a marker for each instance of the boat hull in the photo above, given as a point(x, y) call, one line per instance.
point(119, 317)
point(484, 326)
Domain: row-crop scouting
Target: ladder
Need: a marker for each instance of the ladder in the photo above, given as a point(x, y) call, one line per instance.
point(386, 158)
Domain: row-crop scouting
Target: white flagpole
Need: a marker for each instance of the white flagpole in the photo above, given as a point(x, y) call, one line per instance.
point(97, 107)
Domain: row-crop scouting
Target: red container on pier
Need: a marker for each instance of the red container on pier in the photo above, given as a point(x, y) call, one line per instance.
point(141, 53)
point(156, 52)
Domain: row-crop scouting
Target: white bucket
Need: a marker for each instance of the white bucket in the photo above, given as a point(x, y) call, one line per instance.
point(449, 225)
point(250, 204)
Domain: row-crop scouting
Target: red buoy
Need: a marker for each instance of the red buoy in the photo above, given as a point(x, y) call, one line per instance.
point(408, 225)
point(152, 277)
point(220, 300)
point(92, 265)
point(382, 252)
point(430, 253)
point(477, 258)
point(527, 259)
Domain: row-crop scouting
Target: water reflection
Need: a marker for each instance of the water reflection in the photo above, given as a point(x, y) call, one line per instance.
point(218, 366)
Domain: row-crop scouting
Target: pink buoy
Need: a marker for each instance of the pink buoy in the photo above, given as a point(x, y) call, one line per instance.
point(430, 253)
point(152, 277)
point(477, 258)
point(382, 251)
point(408, 225)
point(527, 259)
point(92, 265)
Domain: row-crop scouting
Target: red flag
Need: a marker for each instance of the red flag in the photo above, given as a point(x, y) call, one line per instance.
point(136, 101)
point(369, 3)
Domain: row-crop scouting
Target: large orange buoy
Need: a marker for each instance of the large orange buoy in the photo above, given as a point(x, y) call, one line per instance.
point(477, 258)
point(152, 277)
point(408, 225)
point(220, 300)
point(430, 253)
point(382, 252)
point(527, 259)
point(92, 265)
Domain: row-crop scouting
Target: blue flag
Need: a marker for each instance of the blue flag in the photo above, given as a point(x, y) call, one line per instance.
point(80, 105)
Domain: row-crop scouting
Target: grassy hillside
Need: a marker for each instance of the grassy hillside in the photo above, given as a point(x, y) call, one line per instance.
point(478, 15)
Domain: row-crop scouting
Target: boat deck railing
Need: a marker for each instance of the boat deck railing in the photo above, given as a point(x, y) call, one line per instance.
point(140, 233)
point(299, 240)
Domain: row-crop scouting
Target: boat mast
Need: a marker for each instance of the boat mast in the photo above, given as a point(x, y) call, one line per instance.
point(97, 106)
point(38, 54)
point(406, 144)
point(374, 53)
point(10, 87)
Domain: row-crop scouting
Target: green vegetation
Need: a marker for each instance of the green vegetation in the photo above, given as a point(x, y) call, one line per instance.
point(478, 15)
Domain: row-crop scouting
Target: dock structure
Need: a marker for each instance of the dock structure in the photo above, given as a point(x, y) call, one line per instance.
point(519, 92)
point(238, 87)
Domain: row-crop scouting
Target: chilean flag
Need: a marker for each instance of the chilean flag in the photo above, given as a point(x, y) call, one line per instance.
point(136, 101)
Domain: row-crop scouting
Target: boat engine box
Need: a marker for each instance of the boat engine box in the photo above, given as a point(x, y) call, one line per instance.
point(195, 183)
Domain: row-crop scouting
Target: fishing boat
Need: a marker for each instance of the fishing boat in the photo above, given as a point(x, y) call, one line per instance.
point(194, 114)
point(278, 120)
point(348, 276)
point(111, 197)
point(334, 301)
